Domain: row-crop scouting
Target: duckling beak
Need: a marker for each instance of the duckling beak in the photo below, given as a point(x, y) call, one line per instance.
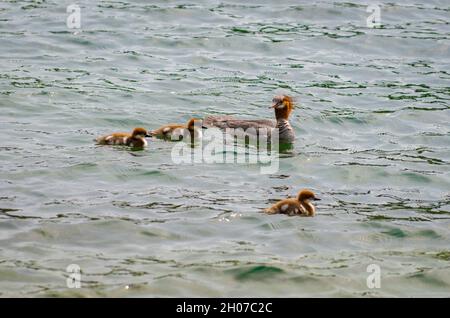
point(317, 199)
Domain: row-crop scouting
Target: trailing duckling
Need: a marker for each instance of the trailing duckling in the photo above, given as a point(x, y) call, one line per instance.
point(135, 139)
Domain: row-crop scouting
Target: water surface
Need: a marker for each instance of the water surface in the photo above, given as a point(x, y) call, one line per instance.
point(372, 121)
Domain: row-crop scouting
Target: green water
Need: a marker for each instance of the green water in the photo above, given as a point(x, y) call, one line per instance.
point(373, 141)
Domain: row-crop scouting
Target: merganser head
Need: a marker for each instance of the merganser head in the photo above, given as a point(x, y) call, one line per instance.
point(306, 196)
point(283, 106)
point(140, 133)
point(191, 123)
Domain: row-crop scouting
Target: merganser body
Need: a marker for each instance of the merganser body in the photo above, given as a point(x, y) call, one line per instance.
point(283, 106)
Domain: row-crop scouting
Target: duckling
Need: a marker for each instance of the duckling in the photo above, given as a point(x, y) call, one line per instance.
point(135, 139)
point(299, 206)
point(176, 131)
point(283, 106)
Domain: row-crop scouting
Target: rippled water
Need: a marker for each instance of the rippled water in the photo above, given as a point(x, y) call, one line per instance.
point(372, 122)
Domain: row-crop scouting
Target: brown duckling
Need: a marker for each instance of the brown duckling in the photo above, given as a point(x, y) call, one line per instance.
point(135, 139)
point(175, 131)
point(295, 206)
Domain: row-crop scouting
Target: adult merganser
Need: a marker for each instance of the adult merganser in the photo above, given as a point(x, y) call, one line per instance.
point(283, 106)
point(299, 206)
point(135, 139)
point(176, 131)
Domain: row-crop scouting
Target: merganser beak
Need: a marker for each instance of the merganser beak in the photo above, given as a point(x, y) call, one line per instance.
point(316, 199)
point(277, 104)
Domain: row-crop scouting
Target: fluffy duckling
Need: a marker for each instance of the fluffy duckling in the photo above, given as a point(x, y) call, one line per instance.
point(176, 131)
point(283, 106)
point(299, 206)
point(135, 139)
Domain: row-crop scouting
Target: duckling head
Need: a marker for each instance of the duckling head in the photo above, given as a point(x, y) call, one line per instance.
point(194, 121)
point(283, 106)
point(140, 133)
point(306, 196)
